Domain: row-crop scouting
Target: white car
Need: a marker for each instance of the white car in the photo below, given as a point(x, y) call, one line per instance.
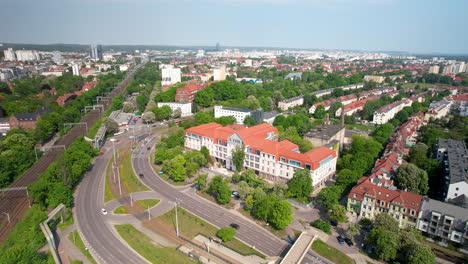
point(103, 211)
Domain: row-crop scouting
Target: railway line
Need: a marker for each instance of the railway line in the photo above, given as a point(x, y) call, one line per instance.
point(14, 204)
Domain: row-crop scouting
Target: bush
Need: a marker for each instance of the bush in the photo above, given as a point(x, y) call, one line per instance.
point(226, 234)
point(322, 225)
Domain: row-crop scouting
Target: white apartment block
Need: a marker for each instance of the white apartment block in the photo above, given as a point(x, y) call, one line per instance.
point(291, 102)
point(434, 69)
point(276, 161)
point(76, 69)
point(219, 73)
point(238, 113)
point(185, 108)
point(9, 54)
point(170, 75)
point(386, 113)
point(27, 55)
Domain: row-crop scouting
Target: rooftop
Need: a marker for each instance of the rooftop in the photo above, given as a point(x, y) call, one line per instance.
point(457, 212)
point(457, 156)
point(324, 131)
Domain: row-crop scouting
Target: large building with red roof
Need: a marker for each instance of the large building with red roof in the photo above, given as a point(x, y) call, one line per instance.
point(275, 160)
point(187, 93)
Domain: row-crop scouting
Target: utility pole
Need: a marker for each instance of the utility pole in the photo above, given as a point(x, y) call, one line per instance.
point(131, 200)
point(176, 217)
point(149, 213)
point(8, 215)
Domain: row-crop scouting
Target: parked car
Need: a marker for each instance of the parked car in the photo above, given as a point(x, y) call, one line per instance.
point(340, 239)
point(236, 226)
point(103, 211)
point(349, 242)
point(148, 148)
point(141, 175)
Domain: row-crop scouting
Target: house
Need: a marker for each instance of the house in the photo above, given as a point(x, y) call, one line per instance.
point(367, 200)
point(293, 75)
point(344, 100)
point(274, 160)
point(374, 78)
point(188, 91)
point(239, 113)
point(387, 112)
point(27, 120)
point(291, 102)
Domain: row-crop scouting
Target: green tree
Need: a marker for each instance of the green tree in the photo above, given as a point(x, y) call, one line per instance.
point(281, 215)
point(347, 178)
point(201, 180)
point(279, 189)
point(338, 214)
point(325, 226)
point(252, 103)
point(419, 254)
point(224, 194)
point(244, 189)
point(249, 121)
point(175, 168)
point(128, 108)
point(206, 153)
point(238, 156)
point(320, 112)
point(329, 197)
point(300, 186)
point(385, 221)
point(226, 234)
point(149, 117)
point(110, 124)
point(249, 202)
point(386, 243)
point(412, 178)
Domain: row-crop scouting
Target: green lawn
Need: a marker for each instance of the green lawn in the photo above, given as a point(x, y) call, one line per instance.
point(191, 225)
point(120, 210)
point(422, 85)
point(76, 239)
point(331, 253)
point(129, 181)
point(108, 195)
point(150, 250)
point(94, 129)
point(148, 203)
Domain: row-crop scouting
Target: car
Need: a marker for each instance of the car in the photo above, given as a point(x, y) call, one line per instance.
point(234, 194)
point(161, 172)
point(148, 148)
point(103, 211)
point(349, 242)
point(340, 240)
point(141, 175)
point(236, 226)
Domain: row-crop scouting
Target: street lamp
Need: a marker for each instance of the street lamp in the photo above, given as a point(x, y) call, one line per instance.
point(177, 202)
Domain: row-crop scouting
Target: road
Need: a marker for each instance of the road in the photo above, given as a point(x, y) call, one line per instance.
point(248, 232)
point(103, 244)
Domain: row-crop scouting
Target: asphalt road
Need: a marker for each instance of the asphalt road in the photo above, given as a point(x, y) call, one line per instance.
point(248, 232)
point(103, 244)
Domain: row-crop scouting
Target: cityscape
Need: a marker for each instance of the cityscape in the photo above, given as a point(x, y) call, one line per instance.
point(203, 142)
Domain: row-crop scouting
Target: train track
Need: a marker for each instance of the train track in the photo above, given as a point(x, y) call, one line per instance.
point(15, 203)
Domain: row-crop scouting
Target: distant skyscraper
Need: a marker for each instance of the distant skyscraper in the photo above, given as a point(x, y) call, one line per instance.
point(76, 69)
point(96, 52)
point(57, 57)
point(9, 54)
point(218, 47)
point(434, 69)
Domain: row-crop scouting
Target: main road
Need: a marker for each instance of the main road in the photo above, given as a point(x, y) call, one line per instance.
point(248, 232)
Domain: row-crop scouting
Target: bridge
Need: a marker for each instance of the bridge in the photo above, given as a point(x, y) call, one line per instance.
point(300, 248)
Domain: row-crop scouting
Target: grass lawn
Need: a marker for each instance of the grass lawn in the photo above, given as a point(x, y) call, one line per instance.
point(94, 129)
point(108, 195)
point(190, 225)
point(150, 250)
point(76, 239)
point(148, 203)
point(331, 253)
point(120, 210)
point(129, 181)
point(422, 85)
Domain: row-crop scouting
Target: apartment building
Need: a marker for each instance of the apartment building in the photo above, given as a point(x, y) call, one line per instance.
point(344, 100)
point(386, 113)
point(187, 93)
point(375, 78)
point(438, 110)
point(368, 200)
point(434, 69)
point(443, 222)
point(291, 102)
point(276, 161)
point(185, 108)
point(454, 156)
point(170, 75)
point(239, 113)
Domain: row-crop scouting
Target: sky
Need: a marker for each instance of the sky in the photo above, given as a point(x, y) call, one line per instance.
point(415, 26)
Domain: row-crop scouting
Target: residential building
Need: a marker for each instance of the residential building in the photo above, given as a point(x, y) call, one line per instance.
point(24, 120)
point(185, 108)
point(386, 113)
point(27, 55)
point(354, 107)
point(269, 117)
point(434, 69)
point(122, 119)
point(9, 54)
point(170, 75)
point(374, 78)
point(96, 52)
point(454, 156)
point(438, 110)
point(367, 200)
point(57, 57)
point(219, 73)
point(344, 100)
point(293, 75)
point(276, 161)
point(85, 72)
point(291, 102)
point(187, 93)
point(327, 135)
point(239, 113)
point(444, 222)
point(453, 89)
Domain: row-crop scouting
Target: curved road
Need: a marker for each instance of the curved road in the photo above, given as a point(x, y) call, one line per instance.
point(248, 232)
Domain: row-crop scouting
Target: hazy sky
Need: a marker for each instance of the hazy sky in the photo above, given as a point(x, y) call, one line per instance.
point(398, 25)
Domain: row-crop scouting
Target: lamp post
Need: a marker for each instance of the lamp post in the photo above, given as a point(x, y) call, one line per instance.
point(176, 216)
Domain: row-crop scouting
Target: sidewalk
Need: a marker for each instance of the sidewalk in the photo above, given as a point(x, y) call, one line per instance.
point(67, 250)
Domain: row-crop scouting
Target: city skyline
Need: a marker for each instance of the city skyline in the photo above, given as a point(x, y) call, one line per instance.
point(365, 25)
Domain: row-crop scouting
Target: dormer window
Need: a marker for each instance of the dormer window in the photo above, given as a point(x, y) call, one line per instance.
point(282, 159)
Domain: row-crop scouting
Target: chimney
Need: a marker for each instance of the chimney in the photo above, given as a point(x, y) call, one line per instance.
point(342, 116)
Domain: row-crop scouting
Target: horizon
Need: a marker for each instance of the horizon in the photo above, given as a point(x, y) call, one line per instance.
point(417, 27)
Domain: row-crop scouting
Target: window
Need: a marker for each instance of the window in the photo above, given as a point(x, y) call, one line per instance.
point(220, 141)
point(307, 166)
point(456, 189)
point(283, 159)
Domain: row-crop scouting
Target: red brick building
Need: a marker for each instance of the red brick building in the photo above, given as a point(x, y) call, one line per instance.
point(187, 93)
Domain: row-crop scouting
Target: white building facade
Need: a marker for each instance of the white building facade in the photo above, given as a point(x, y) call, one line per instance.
point(170, 75)
point(238, 113)
point(9, 54)
point(291, 102)
point(386, 113)
point(185, 108)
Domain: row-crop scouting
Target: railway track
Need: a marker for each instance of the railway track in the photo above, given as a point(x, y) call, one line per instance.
point(15, 203)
